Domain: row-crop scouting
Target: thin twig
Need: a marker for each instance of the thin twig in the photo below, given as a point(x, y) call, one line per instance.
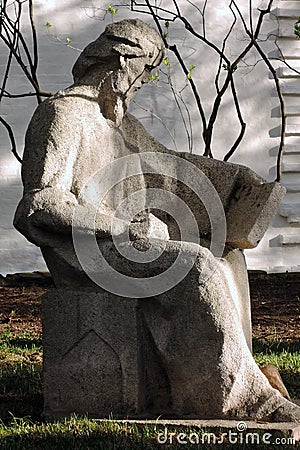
point(11, 137)
point(223, 51)
point(231, 68)
point(19, 61)
point(250, 17)
point(174, 49)
point(27, 94)
point(242, 123)
point(282, 111)
point(35, 50)
point(276, 80)
point(14, 41)
point(159, 119)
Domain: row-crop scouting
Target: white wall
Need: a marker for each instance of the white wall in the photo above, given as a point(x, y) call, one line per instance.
point(279, 250)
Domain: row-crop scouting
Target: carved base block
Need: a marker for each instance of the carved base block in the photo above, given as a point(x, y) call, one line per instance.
point(90, 354)
point(180, 354)
point(105, 355)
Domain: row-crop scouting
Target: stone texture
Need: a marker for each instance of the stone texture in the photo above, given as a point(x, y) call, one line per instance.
point(251, 211)
point(284, 430)
point(151, 228)
point(92, 366)
point(249, 201)
point(236, 276)
point(180, 351)
point(275, 379)
point(154, 356)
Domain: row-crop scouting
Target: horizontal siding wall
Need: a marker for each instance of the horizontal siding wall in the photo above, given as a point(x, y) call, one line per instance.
point(279, 249)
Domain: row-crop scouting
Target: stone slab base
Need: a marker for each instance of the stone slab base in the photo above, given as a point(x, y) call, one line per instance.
point(284, 433)
point(133, 357)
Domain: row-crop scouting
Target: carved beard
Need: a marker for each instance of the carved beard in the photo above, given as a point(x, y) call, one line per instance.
point(118, 88)
point(110, 101)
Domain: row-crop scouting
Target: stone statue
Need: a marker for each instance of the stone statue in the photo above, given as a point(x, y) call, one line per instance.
point(124, 347)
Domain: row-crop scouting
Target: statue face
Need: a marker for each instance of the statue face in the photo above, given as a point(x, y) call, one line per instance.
point(134, 73)
point(118, 63)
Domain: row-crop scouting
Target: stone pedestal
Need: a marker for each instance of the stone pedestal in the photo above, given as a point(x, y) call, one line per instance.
point(106, 355)
point(91, 358)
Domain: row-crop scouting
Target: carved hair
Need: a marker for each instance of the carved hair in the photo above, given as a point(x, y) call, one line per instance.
point(129, 39)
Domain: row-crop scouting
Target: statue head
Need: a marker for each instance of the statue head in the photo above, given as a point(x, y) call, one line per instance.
point(119, 62)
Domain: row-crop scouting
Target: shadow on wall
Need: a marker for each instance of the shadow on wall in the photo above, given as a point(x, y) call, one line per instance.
point(83, 24)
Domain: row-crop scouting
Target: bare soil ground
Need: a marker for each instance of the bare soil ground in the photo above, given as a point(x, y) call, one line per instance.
point(275, 303)
point(275, 300)
point(20, 302)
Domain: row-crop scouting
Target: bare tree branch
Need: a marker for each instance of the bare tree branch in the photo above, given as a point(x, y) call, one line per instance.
point(276, 80)
point(173, 13)
point(282, 110)
point(242, 123)
point(26, 94)
point(174, 49)
point(12, 138)
point(18, 49)
point(223, 51)
point(27, 58)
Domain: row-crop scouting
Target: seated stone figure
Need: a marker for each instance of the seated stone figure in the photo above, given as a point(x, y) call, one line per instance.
point(122, 345)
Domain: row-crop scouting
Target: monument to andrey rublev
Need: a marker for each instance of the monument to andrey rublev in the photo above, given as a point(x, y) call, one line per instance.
point(151, 314)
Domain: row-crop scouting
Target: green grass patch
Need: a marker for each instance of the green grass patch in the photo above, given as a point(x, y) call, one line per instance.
point(285, 356)
point(20, 375)
point(80, 433)
point(75, 433)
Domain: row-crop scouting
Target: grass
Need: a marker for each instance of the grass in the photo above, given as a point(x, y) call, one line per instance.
point(285, 356)
point(22, 426)
point(80, 433)
point(20, 375)
point(74, 433)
